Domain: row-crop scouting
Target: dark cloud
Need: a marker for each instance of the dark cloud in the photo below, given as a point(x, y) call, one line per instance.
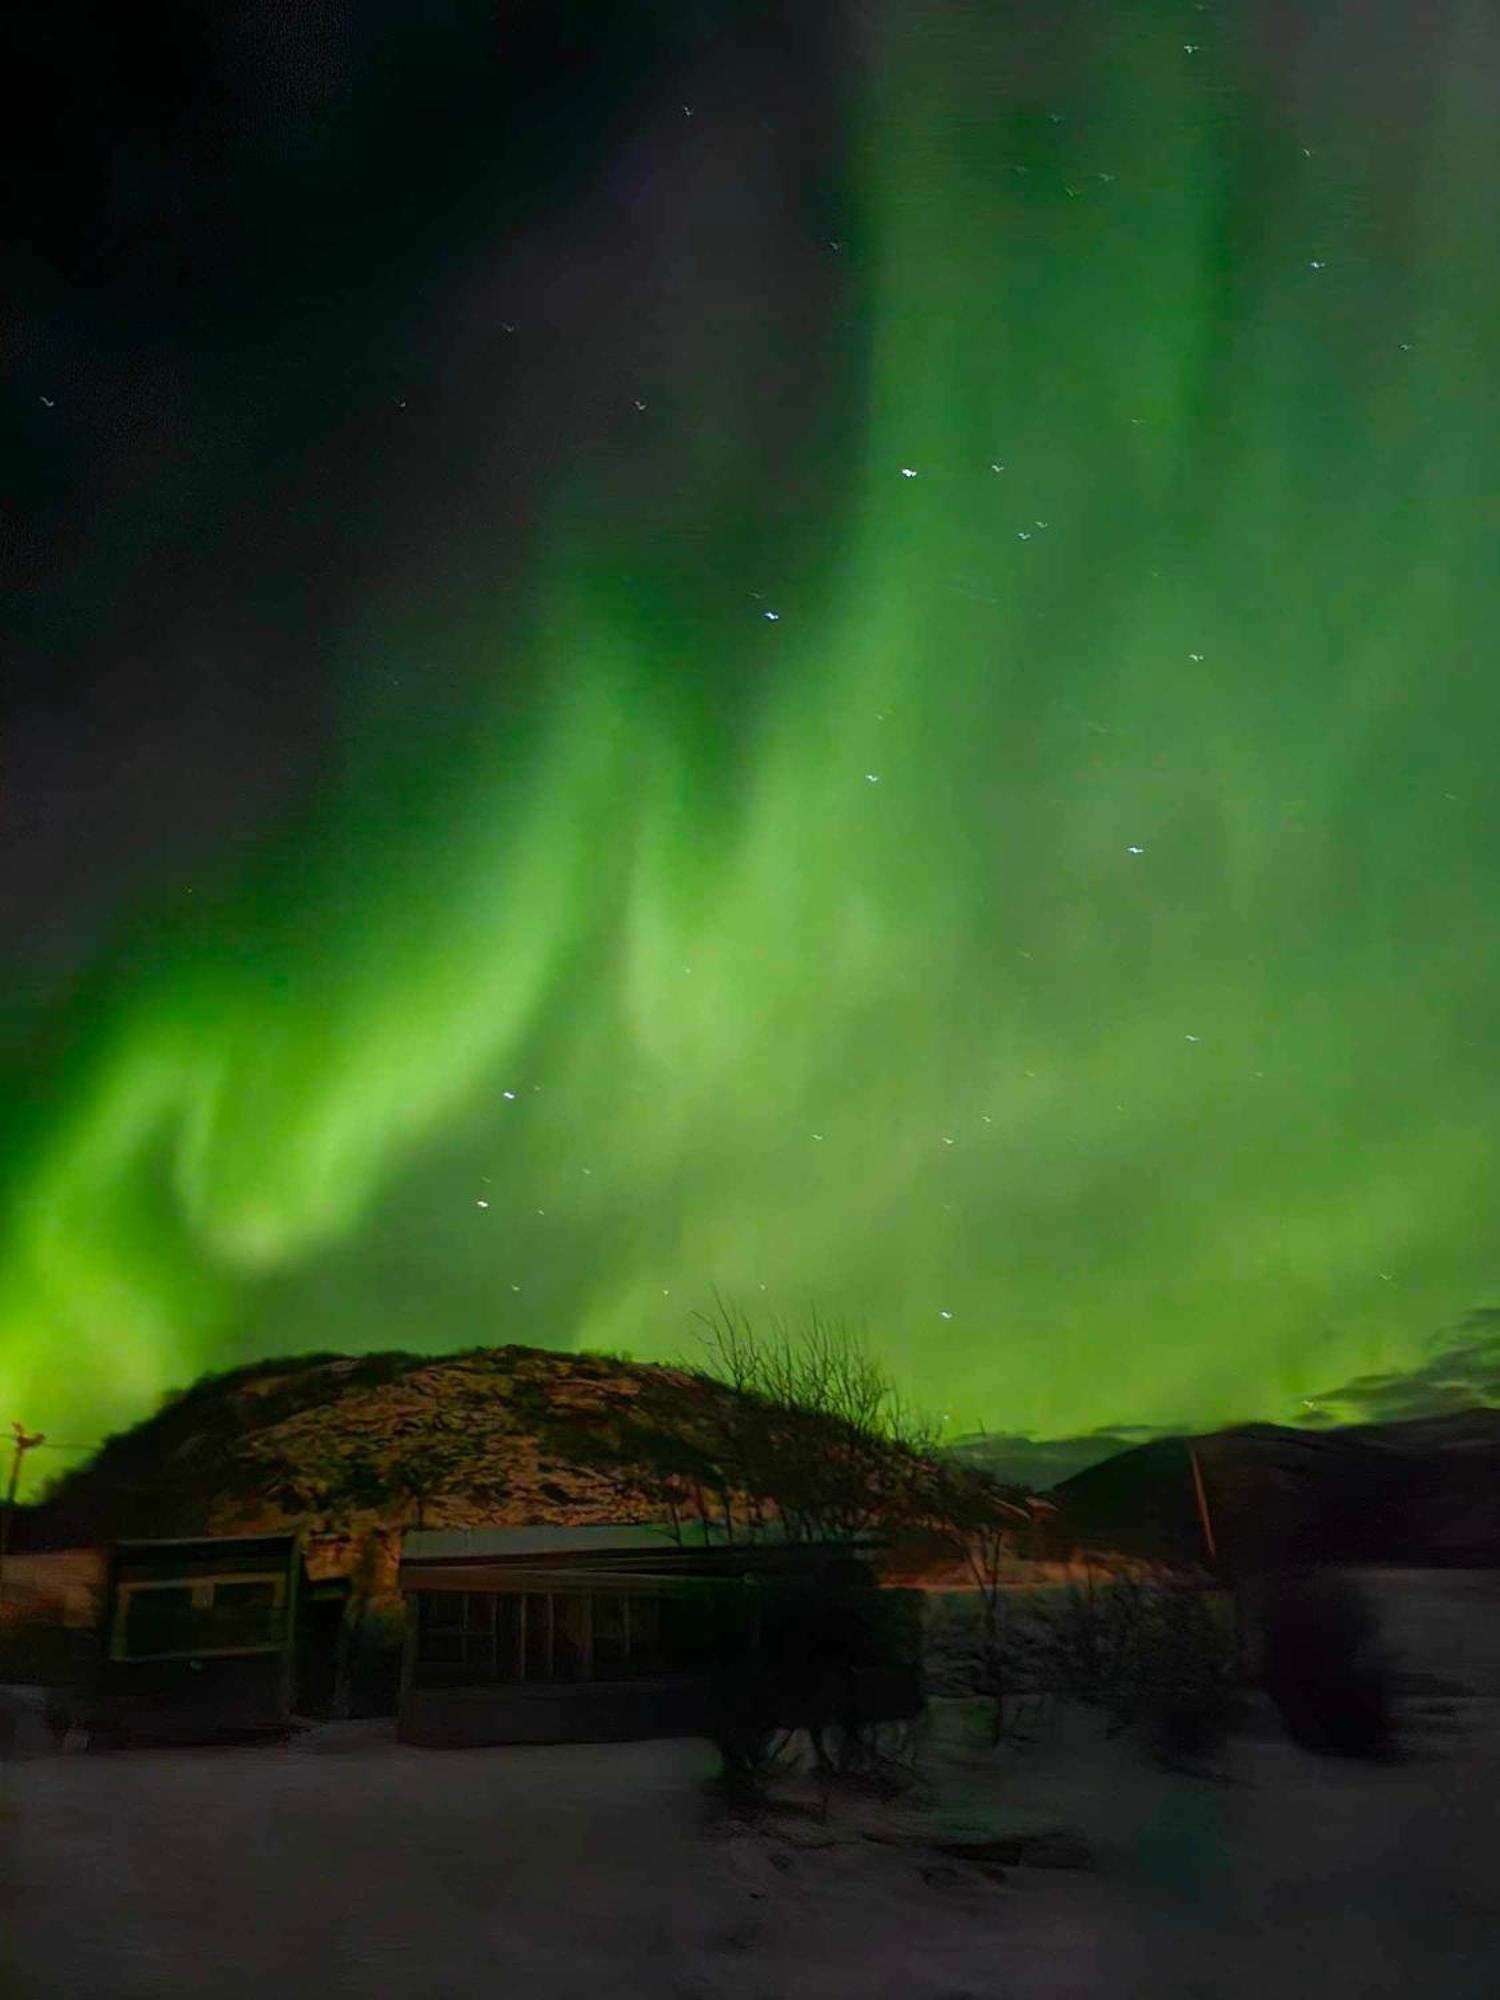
point(1462, 1371)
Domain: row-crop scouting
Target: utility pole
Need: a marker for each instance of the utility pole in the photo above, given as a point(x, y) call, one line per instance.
point(1204, 1518)
point(19, 1449)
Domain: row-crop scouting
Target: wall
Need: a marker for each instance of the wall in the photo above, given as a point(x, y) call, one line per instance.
point(54, 1587)
point(620, 1711)
point(597, 1712)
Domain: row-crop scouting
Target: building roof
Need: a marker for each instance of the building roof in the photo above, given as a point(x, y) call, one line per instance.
point(149, 1542)
point(482, 1544)
point(627, 1539)
point(426, 1553)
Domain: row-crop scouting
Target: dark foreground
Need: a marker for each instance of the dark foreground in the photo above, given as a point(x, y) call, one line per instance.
point(346, 1865)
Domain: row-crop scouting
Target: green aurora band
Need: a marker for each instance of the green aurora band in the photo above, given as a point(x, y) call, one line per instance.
point(1061, 940)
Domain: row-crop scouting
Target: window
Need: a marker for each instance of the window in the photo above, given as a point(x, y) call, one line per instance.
point(509, 1638)
point(644, 1637)
point(245, 1614)
point(156, 1621)
point(536, 1609)
point(206, 1615)
point(571, 1632)
point(456, 1628)
point(538, 1635)
point(611, 1636)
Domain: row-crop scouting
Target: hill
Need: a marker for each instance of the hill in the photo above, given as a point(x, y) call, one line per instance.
point(354, 1449)
point(491, 1437)
point(1421, 1492)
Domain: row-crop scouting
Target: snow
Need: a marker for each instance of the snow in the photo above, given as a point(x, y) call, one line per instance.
point(348, 1865)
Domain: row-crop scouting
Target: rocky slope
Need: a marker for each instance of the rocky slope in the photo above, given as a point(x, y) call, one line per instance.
point(354, 1449)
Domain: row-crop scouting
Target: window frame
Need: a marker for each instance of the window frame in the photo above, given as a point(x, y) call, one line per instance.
point(641, 1632)
point(201, 1589)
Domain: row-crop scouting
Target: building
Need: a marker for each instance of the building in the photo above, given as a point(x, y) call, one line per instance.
point(518, 1635)
point(206, 1637)
point(594, 1634)
point(62, 1589)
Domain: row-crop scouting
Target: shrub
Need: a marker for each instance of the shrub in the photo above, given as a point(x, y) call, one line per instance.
point(1087, 1643)
point(1156, 1650)
point(1187, 1694)
point(1322, 1664)
point(826, 1660)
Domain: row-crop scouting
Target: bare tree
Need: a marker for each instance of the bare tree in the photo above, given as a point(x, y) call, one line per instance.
point(813, 1431)
point(990, 1527)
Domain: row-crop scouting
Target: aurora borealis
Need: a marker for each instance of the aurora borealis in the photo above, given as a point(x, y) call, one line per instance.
point(866, 676)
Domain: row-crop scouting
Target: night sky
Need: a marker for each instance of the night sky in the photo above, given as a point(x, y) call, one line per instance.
point(843, 653)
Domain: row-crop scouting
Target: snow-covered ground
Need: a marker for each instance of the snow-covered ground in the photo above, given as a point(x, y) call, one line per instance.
point(348, 1865)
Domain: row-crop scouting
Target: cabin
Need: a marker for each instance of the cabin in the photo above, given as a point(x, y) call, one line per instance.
point(206, 1637)
point(600, 1634)
point(514, 1635)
